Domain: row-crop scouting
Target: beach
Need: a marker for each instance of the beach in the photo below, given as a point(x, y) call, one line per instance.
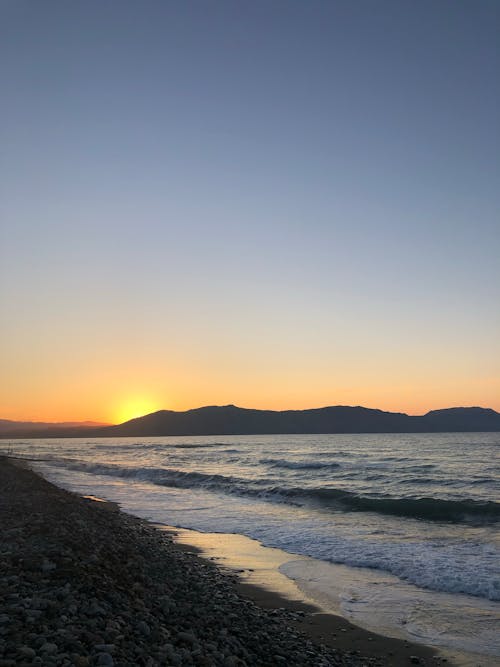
point(83, 583)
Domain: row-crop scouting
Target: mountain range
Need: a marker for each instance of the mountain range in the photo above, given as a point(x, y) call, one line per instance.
point(232, 420)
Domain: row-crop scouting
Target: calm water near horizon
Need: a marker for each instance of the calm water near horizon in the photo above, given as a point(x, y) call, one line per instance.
point(421, 511)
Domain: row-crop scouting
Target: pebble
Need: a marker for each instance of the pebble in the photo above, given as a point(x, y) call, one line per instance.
point(27, 652)
point(80, 660)
point(105, 648)
point(144, 628)
point(48, 647)
point(187, 637)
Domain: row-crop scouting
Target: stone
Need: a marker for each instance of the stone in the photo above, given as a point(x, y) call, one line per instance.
point(48, 647)
point(27, 652)
point(48, 566)
point(80, 661)
point(187, 637)
point(144, 628)
point(105, 648)
point(105, 659)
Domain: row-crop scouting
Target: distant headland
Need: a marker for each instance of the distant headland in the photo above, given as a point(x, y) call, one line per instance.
point(232, 420)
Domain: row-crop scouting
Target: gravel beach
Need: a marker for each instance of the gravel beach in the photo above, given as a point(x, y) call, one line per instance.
point(82, 585)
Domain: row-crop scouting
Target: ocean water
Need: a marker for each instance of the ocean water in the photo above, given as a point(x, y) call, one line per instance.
point(419, 513)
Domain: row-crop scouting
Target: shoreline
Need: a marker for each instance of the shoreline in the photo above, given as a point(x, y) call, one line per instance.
point(83, 585)
point(262, 578)
point(259, 578)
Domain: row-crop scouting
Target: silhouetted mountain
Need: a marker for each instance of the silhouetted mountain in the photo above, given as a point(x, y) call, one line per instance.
point(462, 419)
point(231, 420)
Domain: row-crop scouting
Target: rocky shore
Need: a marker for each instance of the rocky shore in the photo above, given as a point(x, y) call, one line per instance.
point(82, 585)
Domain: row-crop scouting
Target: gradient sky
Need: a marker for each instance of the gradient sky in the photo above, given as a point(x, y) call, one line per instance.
point(274, 204)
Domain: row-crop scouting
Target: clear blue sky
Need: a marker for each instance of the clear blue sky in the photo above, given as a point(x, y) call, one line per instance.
point(277, 204)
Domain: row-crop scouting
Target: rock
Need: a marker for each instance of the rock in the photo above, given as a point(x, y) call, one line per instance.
point(80, 660)
point(27, 652)
point(105, 659)
point(172, 654)
point(187, 637)
point(49, 647)
point(144, 628)
point(234, 661)
point(95, 609)
point(105, 648)
point(415, 660)
point(48, 566)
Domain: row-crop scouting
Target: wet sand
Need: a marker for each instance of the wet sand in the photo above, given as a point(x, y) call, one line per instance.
point(260, 580)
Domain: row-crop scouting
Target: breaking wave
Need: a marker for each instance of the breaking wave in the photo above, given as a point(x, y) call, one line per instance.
point(299, 465)
point(430, 509)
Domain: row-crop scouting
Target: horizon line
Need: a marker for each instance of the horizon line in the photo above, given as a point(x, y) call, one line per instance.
point(98, 424)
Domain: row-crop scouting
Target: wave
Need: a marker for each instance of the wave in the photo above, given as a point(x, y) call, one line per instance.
point(429, 509)
point(299, 465)
point(417, 480)
point(331, 452)
point(203, 445)
point(158, 445)
point(465, 568)
point(127, 446)
point(396, 458)
point(162, 476)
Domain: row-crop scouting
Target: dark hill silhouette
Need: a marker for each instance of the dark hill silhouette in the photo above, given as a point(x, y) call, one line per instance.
point(462, 419)
point(231, 420)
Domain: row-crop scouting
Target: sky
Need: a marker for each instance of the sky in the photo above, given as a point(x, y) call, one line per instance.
point(276, 204)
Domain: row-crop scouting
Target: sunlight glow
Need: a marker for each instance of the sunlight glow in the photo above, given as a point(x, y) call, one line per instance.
point(134, 407)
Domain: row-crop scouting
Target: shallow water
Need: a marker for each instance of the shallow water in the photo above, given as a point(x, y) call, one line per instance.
point(422, 510)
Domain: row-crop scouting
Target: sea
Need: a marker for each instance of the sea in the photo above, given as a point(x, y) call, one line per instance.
point(401, 531)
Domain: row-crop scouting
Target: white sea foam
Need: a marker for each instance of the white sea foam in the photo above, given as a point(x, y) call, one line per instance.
point(382, 603)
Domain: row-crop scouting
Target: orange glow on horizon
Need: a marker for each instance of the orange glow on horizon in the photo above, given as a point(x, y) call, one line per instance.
point(112, 391)
point(134, 407)
point(121, 409)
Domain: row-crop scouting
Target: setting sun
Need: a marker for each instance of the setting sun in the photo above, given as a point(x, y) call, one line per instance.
point(134, 407)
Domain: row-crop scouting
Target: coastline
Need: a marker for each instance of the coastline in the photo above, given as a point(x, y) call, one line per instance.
point(260, 579)
point(258, 569)
point(74, 567)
